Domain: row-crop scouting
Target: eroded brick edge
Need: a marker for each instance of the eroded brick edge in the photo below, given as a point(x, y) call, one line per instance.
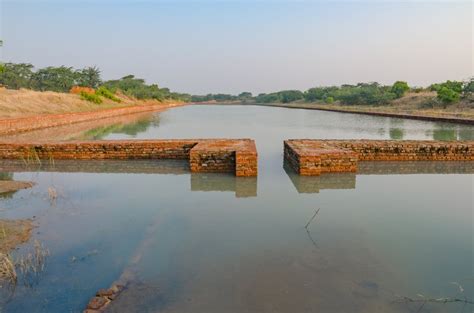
point(204, 155)
point(312, 157)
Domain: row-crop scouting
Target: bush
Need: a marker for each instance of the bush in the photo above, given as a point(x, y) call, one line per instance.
point(104, 92)
point(468, 86)
point(447, 95)
point(78, 89)
point(399, 88)
point(329, 100)
point(91, 97)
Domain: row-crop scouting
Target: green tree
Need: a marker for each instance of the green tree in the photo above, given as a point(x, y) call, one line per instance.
point(16, 76)
point(245, 96)
point(88, 77)
point(59, 79)
point(399, 88)
point(469, 87)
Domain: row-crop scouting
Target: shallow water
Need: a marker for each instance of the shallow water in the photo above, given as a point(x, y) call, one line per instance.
point(216, 243)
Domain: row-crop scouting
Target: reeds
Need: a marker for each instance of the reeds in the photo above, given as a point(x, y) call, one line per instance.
point(26, 268)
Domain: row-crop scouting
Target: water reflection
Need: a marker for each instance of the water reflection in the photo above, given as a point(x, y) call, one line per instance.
point(447, 132)
point(131, 125)
point(225, 182)
point(314, 184)
point(130, 129)
point(396, 133)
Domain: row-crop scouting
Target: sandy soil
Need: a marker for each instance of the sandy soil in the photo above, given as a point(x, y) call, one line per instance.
point(7, 186)
point(23, 102)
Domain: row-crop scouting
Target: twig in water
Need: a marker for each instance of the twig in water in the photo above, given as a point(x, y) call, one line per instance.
point(312, 218)
point(434, 300)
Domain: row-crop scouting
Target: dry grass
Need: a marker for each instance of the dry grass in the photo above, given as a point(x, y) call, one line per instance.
point(23, 102)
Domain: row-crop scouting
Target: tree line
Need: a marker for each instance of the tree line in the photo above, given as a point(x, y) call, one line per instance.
point(63, 79)
point(447, 93)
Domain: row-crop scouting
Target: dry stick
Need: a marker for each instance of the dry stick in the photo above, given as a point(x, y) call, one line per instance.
point(439, 300)
point(307, 230)
point(315, 213)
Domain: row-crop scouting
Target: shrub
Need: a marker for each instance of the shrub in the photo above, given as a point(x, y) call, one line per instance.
point(91, 97)
point(329, 100)
point(447, 95)
point(104, 92)
point(399, 88)
point(77, 90)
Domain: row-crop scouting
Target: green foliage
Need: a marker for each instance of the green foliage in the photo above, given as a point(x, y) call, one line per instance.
point(453, 85)
point(469, 87)
point(136, 87)
point(364, 94)
point(399, 88)
point(16, 76)
point(245, 95)
point(2, 68)
point(59, 79)
point(88, 77)
point(213, 97)
point(104, 92)
point(329, 100)
point(447, 95)
point(91, 97)
point(449, 91)
point(285, 96)
point(319, 93)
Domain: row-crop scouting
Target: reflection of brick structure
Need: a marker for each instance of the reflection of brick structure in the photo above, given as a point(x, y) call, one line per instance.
point(313, 157)
point(204, 155)
point(242, 186)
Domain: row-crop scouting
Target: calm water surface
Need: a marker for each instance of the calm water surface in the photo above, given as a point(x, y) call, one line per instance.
point(216, 243)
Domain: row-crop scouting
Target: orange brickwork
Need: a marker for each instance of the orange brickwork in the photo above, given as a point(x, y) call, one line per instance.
point(204, 155)
point(313, 157)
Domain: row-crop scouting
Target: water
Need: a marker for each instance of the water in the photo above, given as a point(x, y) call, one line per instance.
point(216, 243)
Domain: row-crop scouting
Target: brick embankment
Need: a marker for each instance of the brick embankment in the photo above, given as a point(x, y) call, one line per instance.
point(313, 157)
point(205, 155)
point(24, 124)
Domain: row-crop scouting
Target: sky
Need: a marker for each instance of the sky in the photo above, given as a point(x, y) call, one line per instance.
point(202, 47)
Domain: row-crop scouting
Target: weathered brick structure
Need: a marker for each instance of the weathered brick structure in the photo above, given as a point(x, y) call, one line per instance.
point(313, 157)
point(205, 155)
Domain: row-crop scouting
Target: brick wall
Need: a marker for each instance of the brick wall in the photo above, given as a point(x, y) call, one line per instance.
point(204, 155)
point(313, 157)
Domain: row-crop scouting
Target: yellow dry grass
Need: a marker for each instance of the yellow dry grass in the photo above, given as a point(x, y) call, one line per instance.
point(24, 102)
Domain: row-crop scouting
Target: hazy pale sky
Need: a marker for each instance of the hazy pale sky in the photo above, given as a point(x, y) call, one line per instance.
point(233, 46)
